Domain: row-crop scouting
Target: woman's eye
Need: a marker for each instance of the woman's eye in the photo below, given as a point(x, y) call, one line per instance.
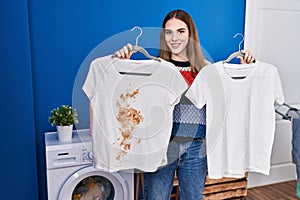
point(168, 32)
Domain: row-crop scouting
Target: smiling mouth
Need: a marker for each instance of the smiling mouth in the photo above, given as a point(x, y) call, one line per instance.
point(175, 45)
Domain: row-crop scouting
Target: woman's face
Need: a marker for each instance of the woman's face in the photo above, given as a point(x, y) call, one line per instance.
point(176, 36)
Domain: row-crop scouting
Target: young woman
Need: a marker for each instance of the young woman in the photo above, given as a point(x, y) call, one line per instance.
point(180, 45)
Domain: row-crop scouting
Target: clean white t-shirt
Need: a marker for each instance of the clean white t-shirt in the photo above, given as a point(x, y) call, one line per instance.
point(240, 115)
point(132, 111)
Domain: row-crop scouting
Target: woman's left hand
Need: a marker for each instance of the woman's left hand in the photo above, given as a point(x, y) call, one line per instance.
point(248, 57)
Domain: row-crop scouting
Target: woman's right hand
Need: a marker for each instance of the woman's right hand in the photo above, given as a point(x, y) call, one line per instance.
point(125, 52)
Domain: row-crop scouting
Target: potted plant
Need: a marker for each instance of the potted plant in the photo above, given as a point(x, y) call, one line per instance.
point(63, 118)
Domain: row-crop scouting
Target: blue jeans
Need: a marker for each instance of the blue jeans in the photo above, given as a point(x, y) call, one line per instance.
point(189, 161)
point(296, 141)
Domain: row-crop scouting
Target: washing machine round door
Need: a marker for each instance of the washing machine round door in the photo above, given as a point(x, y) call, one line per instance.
point(91, 183)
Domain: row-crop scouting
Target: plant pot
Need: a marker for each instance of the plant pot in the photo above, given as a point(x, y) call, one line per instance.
point(65, 133)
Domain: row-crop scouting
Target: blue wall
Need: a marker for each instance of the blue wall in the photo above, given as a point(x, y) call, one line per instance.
point(42, 46)
point(18, 134)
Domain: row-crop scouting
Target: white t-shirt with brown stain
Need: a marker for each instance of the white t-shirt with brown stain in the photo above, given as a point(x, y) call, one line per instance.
point(132, 103)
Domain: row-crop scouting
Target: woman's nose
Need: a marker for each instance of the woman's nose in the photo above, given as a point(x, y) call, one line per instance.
point(174, 36)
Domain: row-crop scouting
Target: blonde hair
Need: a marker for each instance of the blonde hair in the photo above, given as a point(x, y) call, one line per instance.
point(194, 52)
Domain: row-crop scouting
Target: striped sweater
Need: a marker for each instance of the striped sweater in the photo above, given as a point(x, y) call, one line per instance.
point(188, 121)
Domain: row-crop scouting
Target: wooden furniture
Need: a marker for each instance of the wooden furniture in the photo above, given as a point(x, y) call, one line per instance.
point(175, 196)
point(139, 177)
point(225, 188)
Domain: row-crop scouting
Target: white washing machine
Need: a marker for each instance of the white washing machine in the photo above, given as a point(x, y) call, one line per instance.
point(71, 175)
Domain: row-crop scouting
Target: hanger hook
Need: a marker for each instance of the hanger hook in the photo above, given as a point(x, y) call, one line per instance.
point(240, 41)
point(137, 38)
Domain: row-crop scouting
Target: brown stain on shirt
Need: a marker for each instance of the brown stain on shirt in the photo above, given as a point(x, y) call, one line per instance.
point(128, 118)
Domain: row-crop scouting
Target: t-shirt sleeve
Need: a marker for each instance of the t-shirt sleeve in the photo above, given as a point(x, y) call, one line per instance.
point(89, 86)
point(178, 85)
point(197, 92)
point(278, 92)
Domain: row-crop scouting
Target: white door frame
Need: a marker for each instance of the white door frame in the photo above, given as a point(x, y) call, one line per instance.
point(272, 29)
